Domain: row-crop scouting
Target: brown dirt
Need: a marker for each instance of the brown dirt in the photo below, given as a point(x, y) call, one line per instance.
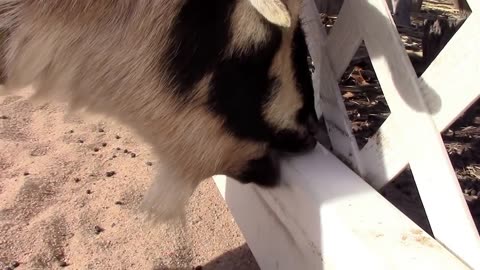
point(69, 194)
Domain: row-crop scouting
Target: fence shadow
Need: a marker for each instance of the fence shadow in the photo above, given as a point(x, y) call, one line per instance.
point(240, 258)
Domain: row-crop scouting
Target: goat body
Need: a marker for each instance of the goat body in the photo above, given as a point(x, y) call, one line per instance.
point(215, 86)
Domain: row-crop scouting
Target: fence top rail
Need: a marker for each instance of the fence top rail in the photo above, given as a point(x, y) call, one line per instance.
point(324, 211)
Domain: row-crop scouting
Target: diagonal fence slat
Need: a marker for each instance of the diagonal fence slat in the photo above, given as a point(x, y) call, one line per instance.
point(457, 88)
point(328, 98)
point(343, 40)
point(383, 158)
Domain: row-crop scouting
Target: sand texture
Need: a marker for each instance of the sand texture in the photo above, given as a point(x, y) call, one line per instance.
point(69, 190)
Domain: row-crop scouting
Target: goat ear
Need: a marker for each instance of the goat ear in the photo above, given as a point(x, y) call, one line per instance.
point(274, 11)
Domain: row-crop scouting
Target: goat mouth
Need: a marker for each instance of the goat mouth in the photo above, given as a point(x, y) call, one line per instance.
point(293, 142)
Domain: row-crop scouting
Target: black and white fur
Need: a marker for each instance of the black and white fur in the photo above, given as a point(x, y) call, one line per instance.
point(215, 86)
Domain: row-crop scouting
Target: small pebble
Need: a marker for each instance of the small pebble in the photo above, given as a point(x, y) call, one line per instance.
point(15, 264)
point(89, 191)
point(133, 155)
point(117, 137)
point(26, 173)
point(96, 149)
point(110, 173)
point(76, 180)
point(104, 144)
point(63, 264)
point(80, 141)
point(114, 156)
point(4, 117)
point(71, 131)
point(125, 151)
point(149, 163)
point(473, 192)
point(98, 229)
point(119, 203)
point(118, 148)
point(101, 130)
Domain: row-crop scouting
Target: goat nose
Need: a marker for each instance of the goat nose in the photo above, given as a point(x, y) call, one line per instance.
point(313, 125)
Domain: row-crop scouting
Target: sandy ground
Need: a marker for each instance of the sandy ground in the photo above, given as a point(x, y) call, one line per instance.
point(59, 209)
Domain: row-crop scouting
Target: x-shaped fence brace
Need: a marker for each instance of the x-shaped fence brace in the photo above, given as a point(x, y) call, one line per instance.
point(420, 108)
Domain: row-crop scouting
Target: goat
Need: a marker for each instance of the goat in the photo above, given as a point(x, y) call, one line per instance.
point(214, 86)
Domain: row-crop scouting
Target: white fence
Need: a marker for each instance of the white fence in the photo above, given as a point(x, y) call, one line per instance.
point(326, 216)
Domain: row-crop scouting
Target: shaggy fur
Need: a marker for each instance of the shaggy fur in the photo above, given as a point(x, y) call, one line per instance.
point(215, 86)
